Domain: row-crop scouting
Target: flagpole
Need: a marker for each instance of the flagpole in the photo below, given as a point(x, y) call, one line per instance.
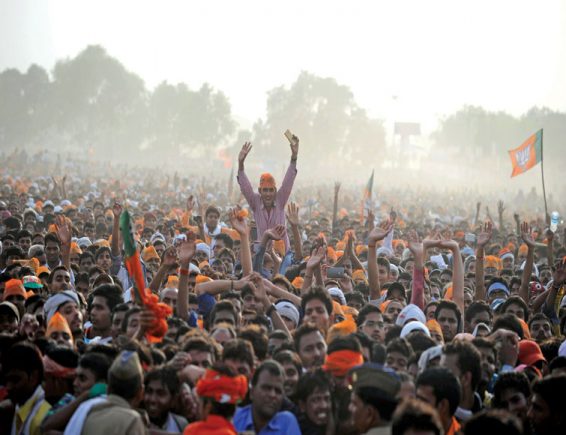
point(546, 216)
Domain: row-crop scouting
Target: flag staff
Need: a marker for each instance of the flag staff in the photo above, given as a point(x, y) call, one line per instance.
point(546, 215)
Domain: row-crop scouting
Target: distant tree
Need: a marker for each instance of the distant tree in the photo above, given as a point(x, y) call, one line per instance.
point(324, 115)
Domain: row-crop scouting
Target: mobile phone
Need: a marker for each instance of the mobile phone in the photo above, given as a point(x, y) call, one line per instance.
point(335, 272)
point(253, 232)
point(289, 136)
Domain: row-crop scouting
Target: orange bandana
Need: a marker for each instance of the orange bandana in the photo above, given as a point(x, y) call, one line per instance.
point(222, 388)
point(340, 362)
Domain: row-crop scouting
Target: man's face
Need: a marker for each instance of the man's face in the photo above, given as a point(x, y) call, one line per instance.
point(62, 338)
point(383, 273)
point(117, 323)
point(393, 309)
point(396, 361)
point(540, 415)
point(318, 406)
point(516, 310)
point(85, 264)
point(268, 196)
point(70, 311)
point(445, 278)
point(212, 220)
point(515, 402)
point(267, 395)
point(100, 315)
point(19, 301)
point(252, 303)
point(89, 232)
point(360, 413)
point(374, 327)
point(20, 385)
point(8, 324)
point(169, 297)
point(159, 248)
point(133, 324)
point(448, 322)
point(312, 350)
point(104, 260)
point(540, 330)
point(315, 311)
point(226, 317)
point(425, 393)
point(219, 245)
point(52, 252)
point(84, 380)
point(239, 366)
point(488, 363)
point(481, 317)
point(157, 399)
point(60, 281)
point(201, 358)
point(25, 243)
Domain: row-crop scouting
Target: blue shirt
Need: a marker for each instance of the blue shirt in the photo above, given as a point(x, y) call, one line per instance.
point(283, 422)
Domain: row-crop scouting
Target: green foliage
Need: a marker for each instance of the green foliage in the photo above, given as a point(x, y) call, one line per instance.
point(324, 115)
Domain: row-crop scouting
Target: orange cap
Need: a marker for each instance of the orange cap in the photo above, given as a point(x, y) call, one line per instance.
point(266, 180)
point(14, 287)
point(58, 324)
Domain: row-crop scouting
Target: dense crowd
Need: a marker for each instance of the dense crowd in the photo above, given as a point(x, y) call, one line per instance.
point(291, 309)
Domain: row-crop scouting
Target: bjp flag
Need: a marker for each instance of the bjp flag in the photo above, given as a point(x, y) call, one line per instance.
point(527, 155)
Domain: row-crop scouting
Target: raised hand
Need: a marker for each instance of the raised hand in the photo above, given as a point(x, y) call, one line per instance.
point(415, 245)
point(559, 274)
point(237, 220)
point(116, 210)
point(191, 203)
point(293, 213)
point(526, 235)
point(485, 235)
point(246, 148)
point(170, 258)
point(379, 233)
point(294, 147)
point(316, 257)
point(64, 230)
point(186, 249)
point(500, 208)
point(277, 232)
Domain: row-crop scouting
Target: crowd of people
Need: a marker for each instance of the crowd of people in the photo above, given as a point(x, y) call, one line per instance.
point(290, 313)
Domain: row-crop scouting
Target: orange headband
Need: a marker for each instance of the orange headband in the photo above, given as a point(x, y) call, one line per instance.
point(340, 362)
point(222, 388)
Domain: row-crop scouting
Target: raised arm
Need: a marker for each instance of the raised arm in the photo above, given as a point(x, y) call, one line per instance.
point(185, 251)
point(284, 191)
point(558, 279)
point(457, 272)
point(483, 238)
point(238, 222)
point(416, 248)
point(65, 233)
point(293, 219)
point(261, 294)
point(335, 205)
point(528, 269)
point(377, 234)
point(168, 263)
point(313, 270)
point(549, 247)
point(276, 233)
point(245, 185)
point(500, 210)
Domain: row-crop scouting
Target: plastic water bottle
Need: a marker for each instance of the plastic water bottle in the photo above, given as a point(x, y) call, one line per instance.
point(554, 218)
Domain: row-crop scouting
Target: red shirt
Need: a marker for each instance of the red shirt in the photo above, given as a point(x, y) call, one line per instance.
point(213, 425)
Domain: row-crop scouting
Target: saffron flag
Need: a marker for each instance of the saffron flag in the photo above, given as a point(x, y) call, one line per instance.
point(527, 155)
point(143, 295)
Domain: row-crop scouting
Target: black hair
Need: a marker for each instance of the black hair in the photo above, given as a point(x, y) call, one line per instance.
point(493, 421)
point(475, 308)
point(228, 242)
point(271, 366)
point(445, 385)
point(469, 359)
point(508, 321)
point(363, 313)
point(517, 300)
point(167, 376)
point(98, 363)
point(517, 381)
point(416, 415)
point(449, 305)
point(239, 350)
point(25, 357)
point(110, 292)
point(319, 293)
point(310, 382)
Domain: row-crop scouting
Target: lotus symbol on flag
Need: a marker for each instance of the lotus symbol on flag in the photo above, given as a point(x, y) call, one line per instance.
point(523, 156)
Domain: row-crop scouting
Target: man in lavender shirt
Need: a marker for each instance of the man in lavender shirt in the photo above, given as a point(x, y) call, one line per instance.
point(268, 204)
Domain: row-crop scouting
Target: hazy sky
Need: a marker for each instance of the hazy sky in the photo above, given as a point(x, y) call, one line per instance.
point(434, 55)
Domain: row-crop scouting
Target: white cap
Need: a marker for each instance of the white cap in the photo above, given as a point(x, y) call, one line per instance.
point(414, 326)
